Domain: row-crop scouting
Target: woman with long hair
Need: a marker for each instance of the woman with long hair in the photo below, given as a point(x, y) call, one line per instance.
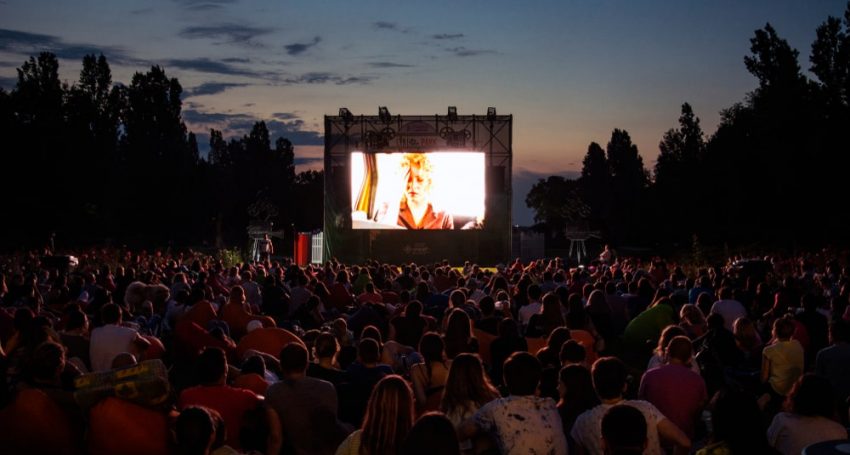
point(548, 319)
point(577, 317)
point(749, 341)
point(600, 314)
point(458, 338)
point(429, 377)
point(575, 387)
point(508, 342)
point(388, 420)
point(467, 389)
point(667, 335)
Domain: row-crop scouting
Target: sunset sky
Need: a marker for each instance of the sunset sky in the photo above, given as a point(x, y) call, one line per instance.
point(568, 71)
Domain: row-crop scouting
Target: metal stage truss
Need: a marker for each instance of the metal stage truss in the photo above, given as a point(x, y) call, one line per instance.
point(385, 133)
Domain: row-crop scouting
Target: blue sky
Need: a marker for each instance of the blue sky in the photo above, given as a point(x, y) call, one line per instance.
point(569, 71)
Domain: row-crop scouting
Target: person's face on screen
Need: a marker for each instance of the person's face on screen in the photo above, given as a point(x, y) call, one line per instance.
point(418, 188)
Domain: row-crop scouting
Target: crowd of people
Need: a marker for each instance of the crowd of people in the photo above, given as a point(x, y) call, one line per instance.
point(180, 354)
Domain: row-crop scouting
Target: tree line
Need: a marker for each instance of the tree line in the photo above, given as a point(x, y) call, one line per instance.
point(96, 162)
point(773, 173)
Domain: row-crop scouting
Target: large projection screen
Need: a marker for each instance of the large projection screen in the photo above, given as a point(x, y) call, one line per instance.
point(418, 188)
point(441, 190)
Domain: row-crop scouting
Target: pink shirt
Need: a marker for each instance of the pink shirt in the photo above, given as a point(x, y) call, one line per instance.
point(677, 392)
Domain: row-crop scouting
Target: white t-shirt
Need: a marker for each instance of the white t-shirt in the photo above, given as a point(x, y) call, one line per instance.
point(791, 433)
point(587, 431)
point(523, 425)
point(526, 312)
point(107, 342)
point(731, 310)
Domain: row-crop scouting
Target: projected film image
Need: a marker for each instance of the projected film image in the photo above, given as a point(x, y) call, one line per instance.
point(435, 190)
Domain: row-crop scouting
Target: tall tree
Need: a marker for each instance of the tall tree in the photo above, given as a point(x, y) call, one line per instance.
point(629, 181)
point(678, 178)
point(593, 184)
point(556, 203)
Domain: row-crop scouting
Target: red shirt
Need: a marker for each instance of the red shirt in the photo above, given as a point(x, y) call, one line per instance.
point(373, 297)
point(230, 402)
point(118, 426)
point(431, 219)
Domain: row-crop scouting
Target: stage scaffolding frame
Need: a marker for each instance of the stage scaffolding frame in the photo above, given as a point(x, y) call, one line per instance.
point(345, 134)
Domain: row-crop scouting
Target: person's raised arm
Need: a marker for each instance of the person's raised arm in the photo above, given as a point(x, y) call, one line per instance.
point(141, 344)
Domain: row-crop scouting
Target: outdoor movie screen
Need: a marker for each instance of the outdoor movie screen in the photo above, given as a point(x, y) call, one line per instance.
point(415, 190)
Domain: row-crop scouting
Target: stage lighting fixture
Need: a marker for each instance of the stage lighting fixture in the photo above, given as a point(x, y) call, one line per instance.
point(384, 114)
point(491, 113)
point(452, 113)
point(346, 114)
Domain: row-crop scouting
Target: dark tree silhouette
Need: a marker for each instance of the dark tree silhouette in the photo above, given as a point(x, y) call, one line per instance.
point(678, 185)
point(627, 188)
point(593, 185)
point(99, 162)
point(557, 203)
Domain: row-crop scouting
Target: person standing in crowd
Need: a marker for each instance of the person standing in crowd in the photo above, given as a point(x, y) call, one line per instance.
point(265, 247)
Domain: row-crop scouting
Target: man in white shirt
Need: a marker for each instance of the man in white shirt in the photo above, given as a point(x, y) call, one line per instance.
point(729, 308)
point(609, 381)
point(112, 339)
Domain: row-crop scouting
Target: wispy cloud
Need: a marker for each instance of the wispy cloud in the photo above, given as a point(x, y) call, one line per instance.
point(212, 88)
point(236, 60)
point(464, 52)
point(284, 115)
point(240, 124)
point(300, 48)
point(204, 5)
point(327, 78)
point(205, 65)
point(390, 26)
point(229, 33)
point(25, 43)
point(383, 25)
point(389, 65)
point(448, 36)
